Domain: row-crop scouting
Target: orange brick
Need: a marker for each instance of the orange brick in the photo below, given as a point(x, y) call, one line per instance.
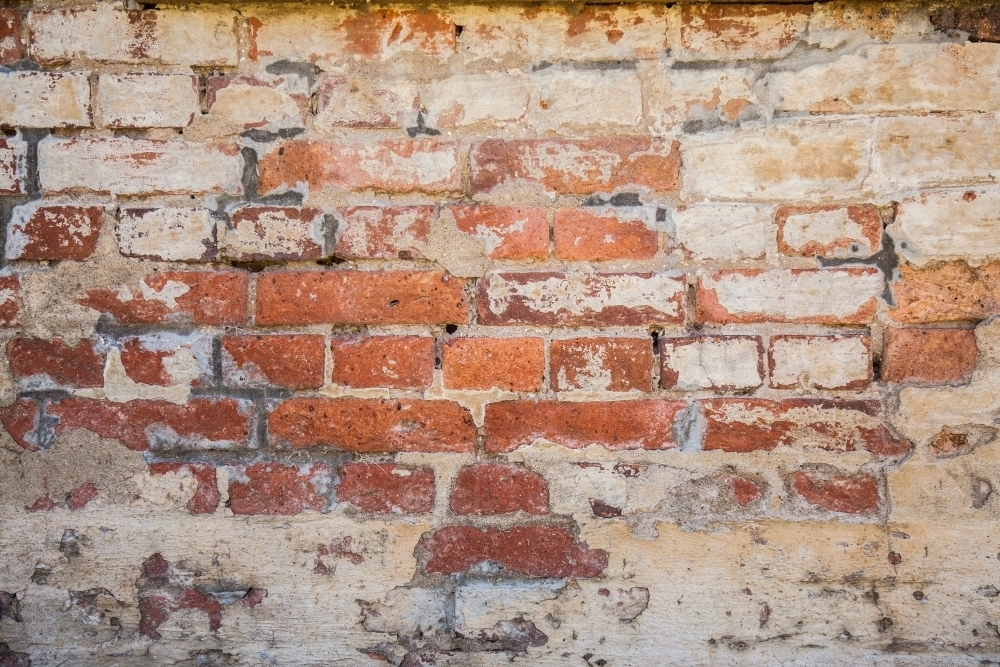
point(511, 364)
point(396, 362)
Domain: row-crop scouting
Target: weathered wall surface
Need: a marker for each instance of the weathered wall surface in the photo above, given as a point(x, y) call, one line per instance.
point(631, 335)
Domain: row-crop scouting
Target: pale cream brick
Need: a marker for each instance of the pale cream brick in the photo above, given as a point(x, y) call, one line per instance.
point(267, 232)
point(239, 103)
point(468, 99)
point(674, 96)
point(168, 234)
point(147, 100)
point(123, 166)
point(818, 160)
point(617, 32)
point(507, 33)
point(360, 102)
point(168, 36)
point(711, 362)
point(895, 77)
point(45, 99)
point(953, 225)
point(582, 101)
point(831, 230)
point(13, 153)
point(918, 152)
point(725, 231)
point(820, 362)
point(833, 296)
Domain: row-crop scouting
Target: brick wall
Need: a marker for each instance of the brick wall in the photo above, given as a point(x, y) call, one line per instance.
point(605, 335)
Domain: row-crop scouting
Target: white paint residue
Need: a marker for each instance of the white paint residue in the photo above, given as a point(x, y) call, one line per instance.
point(169, 294)
point(725, 231)
point(715, 363)
point(571, 159)
point(956, 225)
point(827, 363)
point(822, 227)
point(784, 294)
point(586, 294)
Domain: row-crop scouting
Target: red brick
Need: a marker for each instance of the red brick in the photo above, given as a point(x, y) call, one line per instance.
point(176, 297)
point(828, 296)
point(201, 423)
point(744, 490)
point(848, 495)
point(206, 496)
point(42, 363)
point(54, 233)
point(275, 232)
point(144, 365)
point(534, 551)
point(378, 232)
point(752, 424)
point(361, 297)
point(20, 420)
point(584, 236)
point(275, 489)
point(948, 292)
point(508, 232)
point(615, 425)
point(561, 299)
point(78, 498)
point(396, 362)
point(931, 355)
point(865, 216)
point(601, 364)
point(385, 488)
point(510, 364)
point(577, 166)
point(10, 300)
point(362, 425)
point(43, 504)
point(377, 34)
point(487, 489)
point(393, 166)
point(294, 361)
point(11, 44)
point(744, 32)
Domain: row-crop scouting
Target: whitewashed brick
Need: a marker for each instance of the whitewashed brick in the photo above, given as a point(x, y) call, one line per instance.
point(587, 100)
point(740, 31)
point(953, 225)
point(45, 99)
point(675, 96)
point(725, 231)
point(168, 234)
point(835, 296)
point(167, 36)
point(360, 102)
point(829, 231)
point(12, 166)
point(893, 78)
point(238, 103)
point(147, 100)
point(266, 232)
point(469, 99)
point(331, 35)
point(711, 362)
point(820, 362)
point(918, 152)
point(818, 160)
point(123, 166)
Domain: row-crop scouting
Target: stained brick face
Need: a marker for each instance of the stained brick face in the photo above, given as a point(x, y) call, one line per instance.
point(604, 334)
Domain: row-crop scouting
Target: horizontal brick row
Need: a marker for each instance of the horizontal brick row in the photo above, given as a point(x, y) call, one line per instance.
point(403, 425)
point(711, 166)
point(479, 490)
point(297, 361)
